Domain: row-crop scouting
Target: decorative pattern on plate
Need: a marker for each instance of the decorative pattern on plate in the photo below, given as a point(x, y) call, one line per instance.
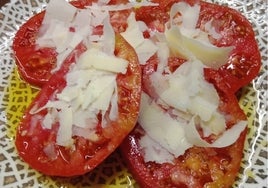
point(15, 96)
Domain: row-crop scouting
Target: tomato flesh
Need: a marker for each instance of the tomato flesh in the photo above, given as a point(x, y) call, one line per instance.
point(37, 146)
point(34, 64)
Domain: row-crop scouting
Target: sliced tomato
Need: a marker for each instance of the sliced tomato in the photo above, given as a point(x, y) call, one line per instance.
point(35, 64)
point(198, 166)
point(37, 146)
point(235, 30)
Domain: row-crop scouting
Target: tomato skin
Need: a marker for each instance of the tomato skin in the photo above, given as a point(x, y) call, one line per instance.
point(32, 139)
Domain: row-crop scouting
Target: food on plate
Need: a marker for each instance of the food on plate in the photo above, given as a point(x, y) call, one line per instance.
point(88, 106)
point(173, 67)
point(191, 130)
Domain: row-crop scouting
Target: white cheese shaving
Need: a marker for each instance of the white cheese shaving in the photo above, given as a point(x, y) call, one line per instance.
point(215, 125)
point(98, 16)
point(142, 3)
point(103, 2)
point(159, 83)
point(68, 94)
point(102, 61)
point(153, 151)
point(227, 138)
point(50, 151)
point(144, 48)
point(163, 55)
point(163, 129)
point(85, 119)
point(133, 33)
point(97, 90)
point(50, 104)
point(103, 100)
point(64, 134)
point(50, 118)
point(114, 106)
point(82, 18)
point(98, 7)
point(81, 77)
point(186, 16)
point(186, 40)
point(187, 90)
point(61, 10)
point(211, 30)
point(89, 134)
point(108, 37)
point(190, 48)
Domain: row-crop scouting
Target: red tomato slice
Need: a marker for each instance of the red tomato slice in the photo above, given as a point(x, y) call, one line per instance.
point(32, 138)
point(34, 64)
point(244, 61)
point(200, 167)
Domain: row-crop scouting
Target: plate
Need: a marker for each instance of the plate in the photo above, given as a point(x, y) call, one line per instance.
point(15, 96)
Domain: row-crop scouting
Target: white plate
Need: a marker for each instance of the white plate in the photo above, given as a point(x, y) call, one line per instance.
point(15, 95)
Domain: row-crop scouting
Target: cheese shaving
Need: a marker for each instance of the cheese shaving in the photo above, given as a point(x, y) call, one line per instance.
point(144, 48)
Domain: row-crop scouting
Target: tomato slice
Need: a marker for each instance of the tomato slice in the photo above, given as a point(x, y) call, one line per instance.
point(32, 139)
point(199, 166)
point(244, 61)
point(35, 64)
